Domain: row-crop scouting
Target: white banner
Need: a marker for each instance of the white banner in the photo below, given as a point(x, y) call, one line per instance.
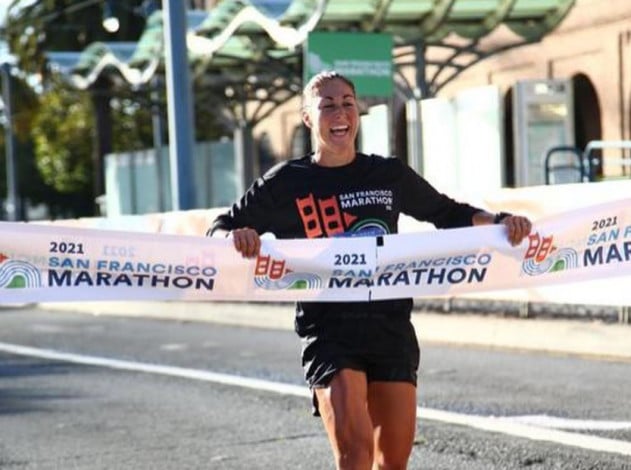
point(51, 263)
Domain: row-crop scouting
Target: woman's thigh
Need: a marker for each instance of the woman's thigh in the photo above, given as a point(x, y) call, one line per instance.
point(343, 410)
point(392, 409)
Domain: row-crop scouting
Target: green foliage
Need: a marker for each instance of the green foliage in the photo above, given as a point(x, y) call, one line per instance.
point(63, 146)
point(207, 125)
point(131, 121)
point(24, 106)
point(55, 144)
point(55, 124)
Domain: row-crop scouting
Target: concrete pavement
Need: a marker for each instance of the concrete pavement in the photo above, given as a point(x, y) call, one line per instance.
point(576, 337)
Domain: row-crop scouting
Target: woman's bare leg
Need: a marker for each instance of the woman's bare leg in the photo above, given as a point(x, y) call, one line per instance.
point(392, 408)
point(345, 416)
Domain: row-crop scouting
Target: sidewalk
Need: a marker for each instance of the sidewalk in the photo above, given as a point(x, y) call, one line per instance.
point(576, 337)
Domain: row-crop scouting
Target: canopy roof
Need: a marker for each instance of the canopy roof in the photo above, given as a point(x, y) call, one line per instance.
point(249, 48)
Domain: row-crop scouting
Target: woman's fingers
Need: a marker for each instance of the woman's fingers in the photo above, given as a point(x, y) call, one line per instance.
point(247, 242)
point(518, 228)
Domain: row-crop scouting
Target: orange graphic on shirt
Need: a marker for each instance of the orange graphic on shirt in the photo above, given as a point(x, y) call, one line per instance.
point(323, 216)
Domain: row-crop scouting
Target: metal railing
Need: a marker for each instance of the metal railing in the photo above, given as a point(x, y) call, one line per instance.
point(583, 165)
point(592, 163)
point(571, 171)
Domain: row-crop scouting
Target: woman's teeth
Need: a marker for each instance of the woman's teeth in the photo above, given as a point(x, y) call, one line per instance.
point(339, 129)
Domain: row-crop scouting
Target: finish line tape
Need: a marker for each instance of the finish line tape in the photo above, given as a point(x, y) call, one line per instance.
point(41, 263)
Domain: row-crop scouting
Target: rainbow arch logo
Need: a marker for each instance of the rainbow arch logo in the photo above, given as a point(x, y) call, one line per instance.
point(18, 274)
point(544, 257)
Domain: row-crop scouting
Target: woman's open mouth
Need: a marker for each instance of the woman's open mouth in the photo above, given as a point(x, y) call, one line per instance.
point(339, 130)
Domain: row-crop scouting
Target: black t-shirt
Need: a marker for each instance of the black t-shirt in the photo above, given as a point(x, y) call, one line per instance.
point(300, 199)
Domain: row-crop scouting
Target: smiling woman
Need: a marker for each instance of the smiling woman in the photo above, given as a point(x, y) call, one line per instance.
point(359, 358)
point(330, 111)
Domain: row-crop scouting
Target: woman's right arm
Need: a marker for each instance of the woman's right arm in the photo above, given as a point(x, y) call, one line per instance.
point(247, 217)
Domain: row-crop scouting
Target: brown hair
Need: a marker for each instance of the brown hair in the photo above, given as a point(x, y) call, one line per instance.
point(316, 82)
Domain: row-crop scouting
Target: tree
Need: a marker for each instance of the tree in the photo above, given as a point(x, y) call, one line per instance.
point(61, 118)
point(24, 106)
point(63, 133)
point(62, 146)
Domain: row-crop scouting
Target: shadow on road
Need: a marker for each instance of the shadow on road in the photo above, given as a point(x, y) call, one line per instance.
point(16, 396)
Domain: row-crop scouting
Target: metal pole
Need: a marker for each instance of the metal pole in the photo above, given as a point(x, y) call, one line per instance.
point(156, 121)
point(244, 156)
point(181, 122)
point(413, 110)
point(414, 133)
point(100, 95)
point(13, 202)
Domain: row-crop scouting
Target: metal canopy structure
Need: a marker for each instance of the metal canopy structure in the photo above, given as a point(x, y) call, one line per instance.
point(249, 57)
point(253, 54)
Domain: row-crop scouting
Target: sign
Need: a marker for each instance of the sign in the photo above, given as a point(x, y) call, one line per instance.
point(364, 58)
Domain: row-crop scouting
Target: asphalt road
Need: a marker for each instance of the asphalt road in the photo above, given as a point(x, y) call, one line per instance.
point(146, 394)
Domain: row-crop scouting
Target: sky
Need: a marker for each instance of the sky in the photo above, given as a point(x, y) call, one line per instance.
point(4, 4)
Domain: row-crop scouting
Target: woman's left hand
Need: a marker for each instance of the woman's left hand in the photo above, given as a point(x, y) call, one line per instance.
point(517, 228)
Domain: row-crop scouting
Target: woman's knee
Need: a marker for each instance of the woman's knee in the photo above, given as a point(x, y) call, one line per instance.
point(392, 460)
point(351, 440)
point(352, 432)
point(354, 439)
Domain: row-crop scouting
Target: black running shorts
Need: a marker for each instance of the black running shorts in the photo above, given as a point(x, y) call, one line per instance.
point(384, 347)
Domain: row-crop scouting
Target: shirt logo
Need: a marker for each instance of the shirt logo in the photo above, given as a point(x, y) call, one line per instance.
point(325, 217)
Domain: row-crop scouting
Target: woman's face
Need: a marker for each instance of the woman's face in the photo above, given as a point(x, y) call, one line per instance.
point(333, 118)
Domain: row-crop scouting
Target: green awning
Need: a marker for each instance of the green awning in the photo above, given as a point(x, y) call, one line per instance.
point(239, 40)
point(410, 20)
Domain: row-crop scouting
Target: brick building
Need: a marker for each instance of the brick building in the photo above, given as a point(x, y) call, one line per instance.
point(591, 49)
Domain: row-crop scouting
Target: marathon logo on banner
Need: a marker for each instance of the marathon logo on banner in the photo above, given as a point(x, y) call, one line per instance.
point(55, 263)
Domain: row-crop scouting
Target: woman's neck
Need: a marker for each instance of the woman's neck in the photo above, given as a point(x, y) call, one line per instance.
point(333, 159)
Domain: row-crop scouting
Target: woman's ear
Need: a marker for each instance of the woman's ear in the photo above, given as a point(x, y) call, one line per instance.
point(306, 119)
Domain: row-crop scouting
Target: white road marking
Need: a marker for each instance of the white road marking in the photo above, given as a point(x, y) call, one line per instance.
point(174, 347)
point(193, 374)
point(552, 422)
point(506, 425)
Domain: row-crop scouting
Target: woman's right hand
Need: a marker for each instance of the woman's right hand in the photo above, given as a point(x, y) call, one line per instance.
point(246, 241)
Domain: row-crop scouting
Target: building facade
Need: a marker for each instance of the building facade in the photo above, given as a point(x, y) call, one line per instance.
point(590, 49)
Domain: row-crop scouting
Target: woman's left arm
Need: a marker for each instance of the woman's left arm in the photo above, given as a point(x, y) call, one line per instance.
point(518, 227)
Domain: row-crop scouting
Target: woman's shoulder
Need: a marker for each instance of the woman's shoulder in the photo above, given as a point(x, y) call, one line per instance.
point(380, 161)
point(287, 168)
